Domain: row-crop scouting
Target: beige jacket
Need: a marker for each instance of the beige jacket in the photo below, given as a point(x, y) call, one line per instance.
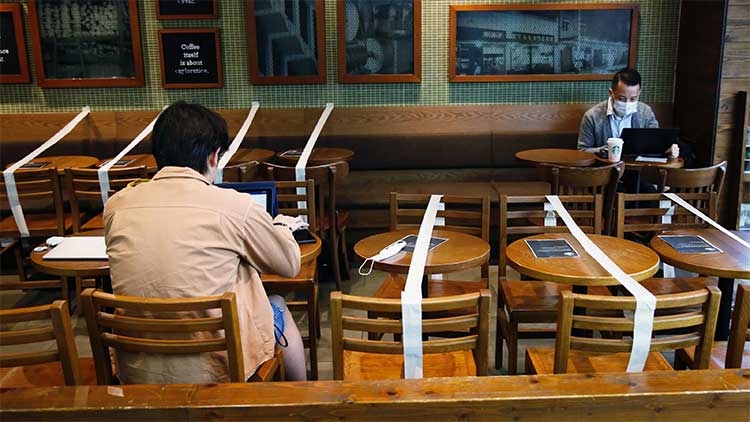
point(179, 236)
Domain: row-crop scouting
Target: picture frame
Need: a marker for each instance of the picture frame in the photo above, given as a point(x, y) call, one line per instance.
point(299, 59)
point(200, 9)
point(107, 40)
point(184, 63)
point(556, 42)
point(14, 63)
point(379, 42)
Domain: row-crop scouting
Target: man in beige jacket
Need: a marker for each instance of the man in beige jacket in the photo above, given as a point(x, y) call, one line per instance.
point(180, 236)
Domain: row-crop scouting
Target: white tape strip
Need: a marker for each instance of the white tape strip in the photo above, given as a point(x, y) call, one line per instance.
point(705, 218)
point(667, 217)
point(439, 221)
point(10, 179)
point(103, 171)
point(411, 297)
point(643, 321)
point(236, 142)
point(550, 220)
point(299, 169)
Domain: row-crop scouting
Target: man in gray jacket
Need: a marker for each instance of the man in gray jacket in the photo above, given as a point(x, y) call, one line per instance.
point(620, 111)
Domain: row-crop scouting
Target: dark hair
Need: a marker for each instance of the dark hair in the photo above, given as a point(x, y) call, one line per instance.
point(186, 134)
point(628, 76)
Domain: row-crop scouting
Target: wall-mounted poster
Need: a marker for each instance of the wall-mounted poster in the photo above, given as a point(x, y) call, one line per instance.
point(379, 40)
point(541, 42)
point(187, 9)
point(86, 43)
point(14, 66)
point(286, 40)
point(190, 58)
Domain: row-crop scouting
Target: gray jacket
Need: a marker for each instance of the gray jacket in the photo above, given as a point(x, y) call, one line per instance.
point(595, 127)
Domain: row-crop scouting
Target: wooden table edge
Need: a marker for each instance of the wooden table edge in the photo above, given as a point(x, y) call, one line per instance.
point(576, 281)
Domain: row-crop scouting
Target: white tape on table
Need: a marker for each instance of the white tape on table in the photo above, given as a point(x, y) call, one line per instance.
point(439, 221)
point(681, 202)
point(550, 220)
point(299, 169)
point(643, 320)
point(236, 142)
point(411, 297)
point(103, 171)
point(10, 179)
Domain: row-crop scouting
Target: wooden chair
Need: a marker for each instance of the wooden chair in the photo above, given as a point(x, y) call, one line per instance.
point(465, 214)
point(143, 331)
point(332, 221)
point(42, 368)
point(586, 181)
point(707, 179)
point(40, 196)
point(85, 196)
point(305, 283)
point(734, 353)
point(522, 302)
point(574, 354)
point(463, 355)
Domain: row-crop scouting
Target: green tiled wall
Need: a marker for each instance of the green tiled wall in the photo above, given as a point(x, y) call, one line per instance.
point(657, 44)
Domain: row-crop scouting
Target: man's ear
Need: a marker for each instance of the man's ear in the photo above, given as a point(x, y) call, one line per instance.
point(213, 159)
point(611, 93)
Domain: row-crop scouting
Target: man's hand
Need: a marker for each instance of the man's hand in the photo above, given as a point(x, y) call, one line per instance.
point(293, 223)
point(673, 151)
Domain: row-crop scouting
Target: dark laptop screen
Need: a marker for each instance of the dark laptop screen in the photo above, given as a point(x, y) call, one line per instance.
point(264, 193)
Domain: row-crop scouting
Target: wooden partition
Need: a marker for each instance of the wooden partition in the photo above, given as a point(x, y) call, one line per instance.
point(684, 395)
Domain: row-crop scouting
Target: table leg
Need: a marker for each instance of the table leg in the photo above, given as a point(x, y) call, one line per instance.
point(425, 285)
point(726, 285)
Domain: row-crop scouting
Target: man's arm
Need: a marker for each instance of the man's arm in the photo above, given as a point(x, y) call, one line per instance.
point(270, 249)
point(586, 135)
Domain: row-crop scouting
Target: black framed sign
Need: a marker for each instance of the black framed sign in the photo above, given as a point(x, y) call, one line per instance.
point(187, 9)
point(14, 65)
point(190, 58)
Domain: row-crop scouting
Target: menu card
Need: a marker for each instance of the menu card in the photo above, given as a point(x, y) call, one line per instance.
point(411, 242)
point(690, 244)
point(35, 164)
point(551, 248)
point(118, 163)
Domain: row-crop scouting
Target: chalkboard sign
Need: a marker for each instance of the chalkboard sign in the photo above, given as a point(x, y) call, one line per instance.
point(14, 66)
point(190, 58)
point(187, 9)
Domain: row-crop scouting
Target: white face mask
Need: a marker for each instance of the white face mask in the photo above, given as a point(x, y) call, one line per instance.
point(625, 108)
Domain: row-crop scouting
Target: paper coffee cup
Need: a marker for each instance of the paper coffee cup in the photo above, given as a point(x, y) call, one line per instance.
point(614, 149)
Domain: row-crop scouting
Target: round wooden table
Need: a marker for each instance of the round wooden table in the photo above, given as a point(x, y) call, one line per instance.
point(459, 252)
point(631, 164)
point(733, 262)
point(243, 155)
point(146, 160)
point(318, 157)
point(635, 259)
point(61, 162)
point(557, 156)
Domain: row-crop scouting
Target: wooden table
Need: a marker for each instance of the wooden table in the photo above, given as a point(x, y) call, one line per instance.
point(631, 164)
point(460, 252)
point(733, 262)
point(61, 162)
point(557, 156)
point(635, 259)
point(318, 157)
point(146, 160)
point(242, 155)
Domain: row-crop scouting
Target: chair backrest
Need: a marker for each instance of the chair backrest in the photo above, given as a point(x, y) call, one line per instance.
point(82, 185)
point(243, 172)
point(465, 214)
point(684, 325)
point(641, 212)
point(465, 317)
point(522, 216)
point(739, 333)
point(38, 190)
point(60, 330)
point(290, 194)
point(707, 179)
point(139, 322)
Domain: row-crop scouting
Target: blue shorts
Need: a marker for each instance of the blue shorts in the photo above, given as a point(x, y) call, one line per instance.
point(278, 324)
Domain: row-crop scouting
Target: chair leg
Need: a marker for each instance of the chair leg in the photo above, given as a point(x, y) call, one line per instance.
point(512, 340)
point(78, 289)
point(345, 254)
point(334, 258)
point(499, 340)
point(18, 253)
point(312, 327)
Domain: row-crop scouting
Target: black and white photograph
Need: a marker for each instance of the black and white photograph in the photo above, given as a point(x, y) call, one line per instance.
point(378, 38)
point(543, 42)
point(286, 41)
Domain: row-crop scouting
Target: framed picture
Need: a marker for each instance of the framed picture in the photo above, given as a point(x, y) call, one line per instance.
point(286, 41)
point(379, 41)
point(541, 42)
point(187, 9)
point(190, 58)
point(86, 43)
point(14, 65)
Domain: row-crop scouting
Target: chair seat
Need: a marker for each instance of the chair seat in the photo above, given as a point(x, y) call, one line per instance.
point(536, 301)
point(376, 366)
point(394, 284)
point(666, 286)
point(44, 375)
point(341, 218)
point(542, 361)
point(40, 225)
point(718, 355)
point(95, 223)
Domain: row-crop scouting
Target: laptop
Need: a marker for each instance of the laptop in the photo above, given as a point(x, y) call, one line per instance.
point(648, 142)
